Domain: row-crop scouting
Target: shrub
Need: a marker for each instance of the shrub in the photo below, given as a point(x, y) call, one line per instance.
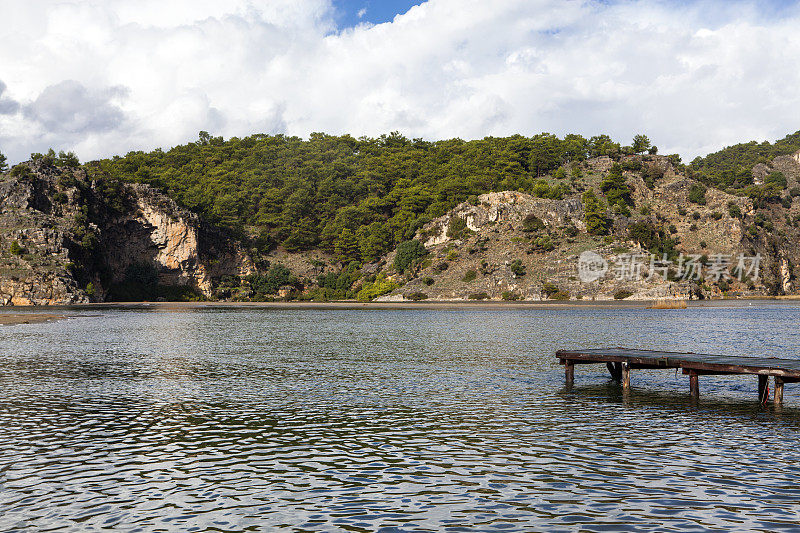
point(693, 227)
point(543, 243)
point(517, 268)
point(621, 294)
point(16, 249)
point(716, 215)
point(703, 244)
point(532, 223)
point(734, 210)
point(470, 275)
point(652, 174)
point(673, 229)
point(428, 280)
point(777, 179)
point(549, 289)
point(682, 211)
point(408, 252)
point(696, 215)
point(457, 228)
point(416, 296)
point(441, 267)
point(379, 287)
point(478, 296)
point(269, 283)
point(510, 296)
point(697, 194)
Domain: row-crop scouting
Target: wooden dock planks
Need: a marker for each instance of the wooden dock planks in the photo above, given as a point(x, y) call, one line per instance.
point(621, 360)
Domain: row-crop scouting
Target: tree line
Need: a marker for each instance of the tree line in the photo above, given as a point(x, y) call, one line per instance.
point(357, 198)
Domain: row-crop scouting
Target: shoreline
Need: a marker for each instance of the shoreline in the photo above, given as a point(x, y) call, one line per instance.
point(28, 314)
point(15, 318)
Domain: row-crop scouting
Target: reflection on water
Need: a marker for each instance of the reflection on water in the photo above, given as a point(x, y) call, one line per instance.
point(359, 420)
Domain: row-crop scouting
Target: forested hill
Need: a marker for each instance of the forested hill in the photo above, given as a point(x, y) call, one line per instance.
point(352, 207)
point(732, 167)
point(306, 193)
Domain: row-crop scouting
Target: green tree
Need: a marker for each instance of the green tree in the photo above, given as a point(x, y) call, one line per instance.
point(602, 145)
point(546, 153)
point(408, 253)
point(374, 241)
point(594, 215)
point(347, 248)
point(616, 189)
point(3, 162)
point(640, 143)
point(67, 160)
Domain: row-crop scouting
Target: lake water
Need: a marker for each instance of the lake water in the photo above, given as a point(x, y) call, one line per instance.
point(245, 419)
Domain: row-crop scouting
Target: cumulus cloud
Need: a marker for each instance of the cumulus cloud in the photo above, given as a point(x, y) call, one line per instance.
point(105, 77)
point(70, 108)
point(8, 106)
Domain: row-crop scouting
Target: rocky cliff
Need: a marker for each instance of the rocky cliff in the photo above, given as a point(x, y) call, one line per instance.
point(511, 245)
point(74, 235)
point(67, 238)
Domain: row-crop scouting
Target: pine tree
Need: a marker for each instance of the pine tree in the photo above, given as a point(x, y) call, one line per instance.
point(347, 248)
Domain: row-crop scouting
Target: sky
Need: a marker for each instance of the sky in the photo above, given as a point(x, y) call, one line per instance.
point(104, 77)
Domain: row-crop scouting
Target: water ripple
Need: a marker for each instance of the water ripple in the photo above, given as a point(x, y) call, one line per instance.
point(417, 420)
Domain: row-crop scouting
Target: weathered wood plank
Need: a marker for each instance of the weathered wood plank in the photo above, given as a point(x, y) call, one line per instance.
point(773, 366)
point(620, 361)
point(569, 373)
point(694, 385)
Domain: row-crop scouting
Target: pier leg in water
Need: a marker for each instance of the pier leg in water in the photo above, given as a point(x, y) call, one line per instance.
point(569, 373)
point(626, 376)
point(762, 389)
point(694, 385)
point(778, 391)
point(615, 369)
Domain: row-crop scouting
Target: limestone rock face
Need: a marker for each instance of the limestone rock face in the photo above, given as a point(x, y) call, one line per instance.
point(506, 208)
point(184, 250)
point(62, 244)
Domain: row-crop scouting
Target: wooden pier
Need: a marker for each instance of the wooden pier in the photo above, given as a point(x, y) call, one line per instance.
point(620, 361)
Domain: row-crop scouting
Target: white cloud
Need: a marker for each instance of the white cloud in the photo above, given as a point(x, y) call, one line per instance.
point(108, 76)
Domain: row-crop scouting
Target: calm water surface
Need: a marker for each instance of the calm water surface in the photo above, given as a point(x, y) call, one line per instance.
point(234, 419)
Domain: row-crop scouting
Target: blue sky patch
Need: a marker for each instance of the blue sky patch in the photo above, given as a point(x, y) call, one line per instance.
point(350, 13)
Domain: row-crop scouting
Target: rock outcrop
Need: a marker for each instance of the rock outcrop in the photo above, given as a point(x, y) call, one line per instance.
point(512, 245)
point(68, 239)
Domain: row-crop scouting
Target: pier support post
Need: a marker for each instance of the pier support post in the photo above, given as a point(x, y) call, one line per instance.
point(778, 391)
point(626, 377)
point(615, 369)
point(694, 385)
point(569, 373)
point(762, 389)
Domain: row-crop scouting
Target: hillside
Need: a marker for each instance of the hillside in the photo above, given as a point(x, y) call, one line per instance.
point(502, 218)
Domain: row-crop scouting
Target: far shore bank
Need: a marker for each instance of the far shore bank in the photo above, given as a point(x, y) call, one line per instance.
point(12, 319)
point(20, 314)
